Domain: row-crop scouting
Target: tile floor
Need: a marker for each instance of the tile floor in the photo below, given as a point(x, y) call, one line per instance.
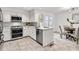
point(27, 44)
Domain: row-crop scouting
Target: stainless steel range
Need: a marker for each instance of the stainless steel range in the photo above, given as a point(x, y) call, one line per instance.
point(17, 31)
point(1, 26)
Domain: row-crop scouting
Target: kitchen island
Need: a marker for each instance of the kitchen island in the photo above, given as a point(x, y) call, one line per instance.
point(44, 36)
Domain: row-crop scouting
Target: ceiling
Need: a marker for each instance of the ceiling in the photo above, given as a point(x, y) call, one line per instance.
point(48, 9)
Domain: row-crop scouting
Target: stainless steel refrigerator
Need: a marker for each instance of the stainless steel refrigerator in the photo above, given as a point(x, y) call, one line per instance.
point(1, 26)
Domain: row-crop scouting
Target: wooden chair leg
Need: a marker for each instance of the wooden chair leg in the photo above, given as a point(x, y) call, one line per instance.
point(77, 41)
point(67, 36)
point(61, 36)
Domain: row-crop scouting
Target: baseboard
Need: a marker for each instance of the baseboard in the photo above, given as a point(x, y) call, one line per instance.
point(13, 39)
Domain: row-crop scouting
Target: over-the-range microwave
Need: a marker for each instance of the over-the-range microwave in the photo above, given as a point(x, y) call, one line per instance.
point(16, 18)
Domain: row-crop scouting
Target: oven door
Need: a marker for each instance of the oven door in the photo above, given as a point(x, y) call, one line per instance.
point(17, 32)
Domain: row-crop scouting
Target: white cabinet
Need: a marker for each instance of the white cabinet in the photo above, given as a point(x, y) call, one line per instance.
point(25, 31)
point(6, 18)
point(7, 33)
point(32, 32)
point(31, 16)
point(29, 31)
point(45, 36)
point(25, 18)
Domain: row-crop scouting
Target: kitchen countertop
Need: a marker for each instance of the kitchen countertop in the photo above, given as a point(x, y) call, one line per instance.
point(45, 28)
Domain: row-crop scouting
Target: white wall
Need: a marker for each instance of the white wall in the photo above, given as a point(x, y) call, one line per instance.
point(60, 19)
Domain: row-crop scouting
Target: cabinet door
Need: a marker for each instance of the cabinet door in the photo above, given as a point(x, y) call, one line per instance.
point(6, 18)
point(7, 33)
point(31, 16)
point(25, 31)
point(23, 18)
point(47, 37)
point(32, 32)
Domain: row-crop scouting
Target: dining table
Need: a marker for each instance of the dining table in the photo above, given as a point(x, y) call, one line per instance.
point(70, 30)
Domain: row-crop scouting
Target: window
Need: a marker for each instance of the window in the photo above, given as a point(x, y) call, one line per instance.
point(48, 21)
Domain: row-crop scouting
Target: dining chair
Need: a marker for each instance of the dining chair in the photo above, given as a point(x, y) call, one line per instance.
point(75, 36)
point(1, 38)
point(61, 32)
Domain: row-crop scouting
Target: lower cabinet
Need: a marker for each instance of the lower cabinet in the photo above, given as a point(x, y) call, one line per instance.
point(25, 31)
point(32, 32)
point(45, 37)
point(29, 31)
point(48, 37)
point(7, 33)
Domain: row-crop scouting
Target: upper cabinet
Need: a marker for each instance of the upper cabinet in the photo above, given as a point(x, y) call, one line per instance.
point(6, 18)
point(9, 12)
point(25, 18)
point(32, 16)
